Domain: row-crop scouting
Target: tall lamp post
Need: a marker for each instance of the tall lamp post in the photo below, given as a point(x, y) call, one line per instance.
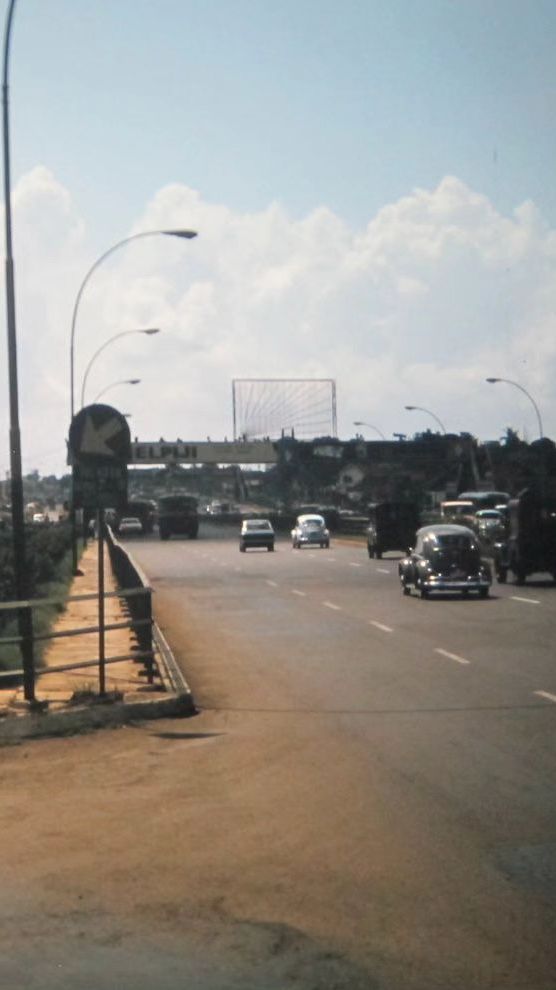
point(493, 381)
point(186, 234)
point(124, 333)
point(429, 413)
point(361, 422)
point(124, 381)
point(16, 478)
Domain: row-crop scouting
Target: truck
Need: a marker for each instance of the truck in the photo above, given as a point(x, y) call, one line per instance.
point(178, 514)
point(392, 526)
point(530, 546)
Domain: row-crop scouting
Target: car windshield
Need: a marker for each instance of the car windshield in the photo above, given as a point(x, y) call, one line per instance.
point(258, 524)
point(312, 524)
point(451, 549)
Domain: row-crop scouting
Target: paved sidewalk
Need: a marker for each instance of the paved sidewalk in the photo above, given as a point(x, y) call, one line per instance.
point(58, 688)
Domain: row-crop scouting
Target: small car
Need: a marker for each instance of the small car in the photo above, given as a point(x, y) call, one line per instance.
point(256, 533)
point(130, 526)
point(39, 518)
point(447, 558)
point(310, 530)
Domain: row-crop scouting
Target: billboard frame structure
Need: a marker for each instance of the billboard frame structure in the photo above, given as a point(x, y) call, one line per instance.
point(287, 381)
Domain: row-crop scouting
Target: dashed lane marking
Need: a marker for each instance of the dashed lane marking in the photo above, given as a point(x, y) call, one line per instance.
point(273, 584)
point(383, 570)
point(530, 601)
point(332, 605)
point(381, 626)
point(353, 564)
point(300, 593)
point(451, 656)
point(547, 695)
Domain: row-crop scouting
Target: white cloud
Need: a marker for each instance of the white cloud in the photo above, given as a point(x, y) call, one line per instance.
point(437, 292)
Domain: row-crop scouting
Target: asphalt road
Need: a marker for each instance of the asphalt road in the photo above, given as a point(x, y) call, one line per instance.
point(381, 768)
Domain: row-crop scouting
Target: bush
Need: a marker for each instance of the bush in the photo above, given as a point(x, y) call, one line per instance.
point(48, 574)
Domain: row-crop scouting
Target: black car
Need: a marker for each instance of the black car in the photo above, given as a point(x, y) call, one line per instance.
point(256, 533)
point(446, 558)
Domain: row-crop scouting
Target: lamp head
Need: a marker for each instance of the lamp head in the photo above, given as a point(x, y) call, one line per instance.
point(188, 234)
point(491, 381)
point(410, 408)
point(133, 381)
point(150, 331)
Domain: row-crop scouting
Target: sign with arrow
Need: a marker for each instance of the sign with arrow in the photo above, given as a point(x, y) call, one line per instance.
point(99, 450)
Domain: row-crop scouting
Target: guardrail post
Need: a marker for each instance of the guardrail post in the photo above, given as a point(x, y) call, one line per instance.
point(25, 623)
point(149, 635)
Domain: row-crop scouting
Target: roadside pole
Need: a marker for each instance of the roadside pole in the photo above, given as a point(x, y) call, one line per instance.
point(101, 638)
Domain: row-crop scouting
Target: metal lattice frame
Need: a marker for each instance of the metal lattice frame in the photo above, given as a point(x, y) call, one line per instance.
point(274, 407)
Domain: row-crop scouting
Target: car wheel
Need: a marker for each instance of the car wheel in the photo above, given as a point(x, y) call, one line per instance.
point(483, 592)
point(270, 546)
point(520, 576)
point(378, 554)
point(501, 575)
point(423, 591)
point(241, 548)
point(405, 588)
point(327, 545)
point(370, 551)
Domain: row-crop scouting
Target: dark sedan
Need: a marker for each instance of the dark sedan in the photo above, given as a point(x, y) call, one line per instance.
point(446, 558)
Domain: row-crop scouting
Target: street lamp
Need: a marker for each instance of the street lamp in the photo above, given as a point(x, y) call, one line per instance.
point(124, 381)
point(187, 234)
point(492, 381)
point(16, 476)
point(361, 422)
point(124, 333)
point(421, 409)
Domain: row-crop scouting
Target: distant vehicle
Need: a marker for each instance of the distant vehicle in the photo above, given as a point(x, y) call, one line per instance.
point(392, 526)
point(490, 524)
point(446, 558)
point(39, 518)
point(310, 530)
point(530, 546)
point(457, 510)
point(256, 533)
point(485, 500)
point(143, 509)
point(178, 514)
point(130, 526)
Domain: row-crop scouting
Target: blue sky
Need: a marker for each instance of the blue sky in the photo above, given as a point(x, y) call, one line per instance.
point(350, 107)
point(347, 104)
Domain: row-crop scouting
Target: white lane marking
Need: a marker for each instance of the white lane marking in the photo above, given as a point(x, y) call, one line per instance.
point(546, 694)
point(300, 593)
point(379, 625)
point(451, 656)
point(353, 564)
point(331, 560)
point(383, 570)
point(332, 605)
point(272, 584)
point(530, 601)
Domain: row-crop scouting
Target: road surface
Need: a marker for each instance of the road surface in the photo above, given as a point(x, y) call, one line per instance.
point(380, 771)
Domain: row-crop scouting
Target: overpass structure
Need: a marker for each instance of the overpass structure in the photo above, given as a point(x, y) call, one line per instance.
point(203, 452)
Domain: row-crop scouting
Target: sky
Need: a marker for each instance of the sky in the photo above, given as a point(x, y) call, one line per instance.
point(372, 184)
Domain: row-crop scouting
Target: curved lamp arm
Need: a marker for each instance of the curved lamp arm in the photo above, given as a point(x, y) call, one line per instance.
point(124, 333)
point(434, 416)
point(188, 234)
point(492, 381)
point(124, 381)
point(361, 422)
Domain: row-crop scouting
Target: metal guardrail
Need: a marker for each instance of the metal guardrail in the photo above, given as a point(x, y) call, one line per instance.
point(134, 590)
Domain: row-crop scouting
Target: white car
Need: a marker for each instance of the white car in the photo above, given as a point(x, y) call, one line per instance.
point(39, 518)
point(310, 530)
point(130, 526)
